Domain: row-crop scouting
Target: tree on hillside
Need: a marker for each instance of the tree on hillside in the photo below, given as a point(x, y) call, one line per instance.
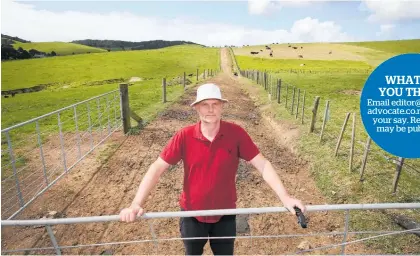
point(144, 45)
point(17, 39)
point(24, 55)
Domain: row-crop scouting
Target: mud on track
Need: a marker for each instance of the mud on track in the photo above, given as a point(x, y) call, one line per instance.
point(105, 187)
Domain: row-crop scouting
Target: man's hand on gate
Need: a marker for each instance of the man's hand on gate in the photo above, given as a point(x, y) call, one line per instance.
point(290, 203)
point(130, 214)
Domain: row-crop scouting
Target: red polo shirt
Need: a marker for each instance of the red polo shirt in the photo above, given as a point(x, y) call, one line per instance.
point(209, 167)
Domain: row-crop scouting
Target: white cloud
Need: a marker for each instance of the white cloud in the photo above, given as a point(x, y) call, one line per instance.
point(386, 30)
point(25, 21)
point(259, 7)
point(387, 11)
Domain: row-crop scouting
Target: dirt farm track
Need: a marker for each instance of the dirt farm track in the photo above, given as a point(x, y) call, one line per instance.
point(104, 183)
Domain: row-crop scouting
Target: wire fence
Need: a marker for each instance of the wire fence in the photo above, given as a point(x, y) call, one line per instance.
point(38, 152)
point(330, 244)
point(306, 109)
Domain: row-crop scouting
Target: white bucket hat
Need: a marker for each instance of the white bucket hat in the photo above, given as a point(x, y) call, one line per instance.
point(208, 91)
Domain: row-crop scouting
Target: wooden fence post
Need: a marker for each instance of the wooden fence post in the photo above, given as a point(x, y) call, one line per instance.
point(265, 81)
point(278, 90)
point(164, 89)
point(125, 107)
point(298, 101)
point(303, 106)
point(287, 94)
point(353, 135)
point(400, 163)
point(314, 112)
point(197, 74)
point(364, 161)
point(293, 100)
point(341, 134)
point(327, 106)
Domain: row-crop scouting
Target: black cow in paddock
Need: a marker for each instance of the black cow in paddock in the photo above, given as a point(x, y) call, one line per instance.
point(254, 52)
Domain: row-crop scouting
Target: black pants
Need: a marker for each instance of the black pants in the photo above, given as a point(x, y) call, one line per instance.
point(191, 227)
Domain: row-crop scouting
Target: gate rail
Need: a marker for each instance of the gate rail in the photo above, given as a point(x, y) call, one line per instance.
point(48, 223)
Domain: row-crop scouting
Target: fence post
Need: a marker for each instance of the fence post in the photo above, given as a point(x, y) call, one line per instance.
point(341, 134)
point(164, 89)
point(327, 106)
point(265, 80)
point(303, 106)
point(314, 112)
point(364, 161)
point(293, 100)
point(298, 101)
point(125, 107)
point(353, 135)
point(258, 77)
point(397, 173)
point(197, 74)
point(278, 90)
point(287, 94)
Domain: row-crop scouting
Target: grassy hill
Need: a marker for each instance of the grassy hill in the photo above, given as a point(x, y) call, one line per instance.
point(397, 46)
point(287, 65)
point(74, 69)
point(77, 77)
point(60, 48)
point(373, 53)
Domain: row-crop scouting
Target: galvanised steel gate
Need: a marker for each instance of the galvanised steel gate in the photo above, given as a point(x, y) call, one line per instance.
point(37, 153)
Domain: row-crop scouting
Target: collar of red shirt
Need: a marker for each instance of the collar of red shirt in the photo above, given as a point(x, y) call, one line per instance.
point(199, 135)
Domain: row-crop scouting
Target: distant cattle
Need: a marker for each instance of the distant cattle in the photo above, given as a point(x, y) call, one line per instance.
point(261, 50)
point(301, 47)
point(290, 45)
point(330, 52)
point(294, 47)
point(300, 56)
point(271, 53)
point(254, 52)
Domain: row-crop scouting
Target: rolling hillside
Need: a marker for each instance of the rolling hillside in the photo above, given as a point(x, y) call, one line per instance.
point(372, 53)
point(61, 48)
point(397, 46)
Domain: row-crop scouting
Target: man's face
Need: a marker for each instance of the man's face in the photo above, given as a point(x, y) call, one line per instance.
point(210, 111)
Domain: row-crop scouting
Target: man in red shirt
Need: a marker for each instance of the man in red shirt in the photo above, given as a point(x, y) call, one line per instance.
point(210, 151)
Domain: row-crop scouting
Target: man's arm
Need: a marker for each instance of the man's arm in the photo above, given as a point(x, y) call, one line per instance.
point(148, 182)
point(270, 176)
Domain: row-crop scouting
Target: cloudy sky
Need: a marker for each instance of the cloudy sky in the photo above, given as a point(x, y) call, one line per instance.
point(212, 22)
